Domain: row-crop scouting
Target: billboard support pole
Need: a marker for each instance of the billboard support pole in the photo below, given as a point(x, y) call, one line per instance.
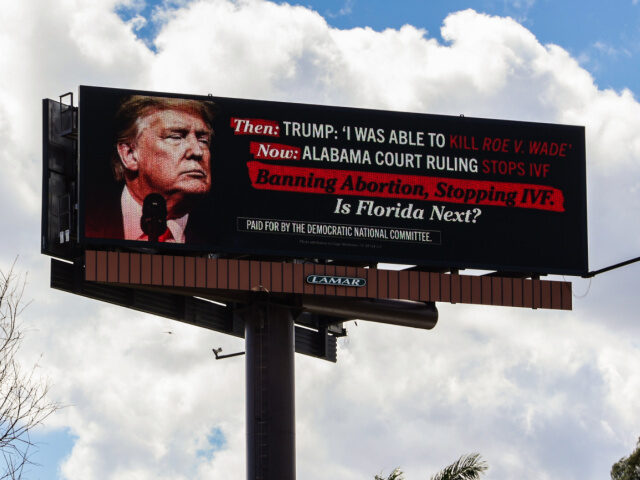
point(270, 398)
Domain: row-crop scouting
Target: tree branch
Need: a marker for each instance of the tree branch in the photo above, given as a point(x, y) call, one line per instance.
point(23, 397)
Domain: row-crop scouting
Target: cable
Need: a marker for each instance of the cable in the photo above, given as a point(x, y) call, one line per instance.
point(585, 293)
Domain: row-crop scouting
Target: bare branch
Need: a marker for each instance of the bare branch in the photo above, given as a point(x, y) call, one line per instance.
point(23, 396)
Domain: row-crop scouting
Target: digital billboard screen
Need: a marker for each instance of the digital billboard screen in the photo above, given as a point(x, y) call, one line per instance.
point(233, 176)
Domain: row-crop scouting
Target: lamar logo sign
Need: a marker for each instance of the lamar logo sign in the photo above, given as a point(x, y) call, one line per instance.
point(336, 281)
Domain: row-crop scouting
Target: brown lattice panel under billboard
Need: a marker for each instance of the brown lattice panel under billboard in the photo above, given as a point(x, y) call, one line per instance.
point(290, 278)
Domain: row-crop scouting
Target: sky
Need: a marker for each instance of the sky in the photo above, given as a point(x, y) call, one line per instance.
point(540, 394)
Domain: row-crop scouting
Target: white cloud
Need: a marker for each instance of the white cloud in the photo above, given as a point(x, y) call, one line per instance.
point(346, 9)
point(610, 50)
point(137, 22)
point(556, 390)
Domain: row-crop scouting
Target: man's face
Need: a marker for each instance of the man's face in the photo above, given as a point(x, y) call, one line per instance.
point(172, 157)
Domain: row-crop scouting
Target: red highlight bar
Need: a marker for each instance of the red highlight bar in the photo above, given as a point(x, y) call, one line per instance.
point(412, 187)
point(255, 126)
point(274, 151)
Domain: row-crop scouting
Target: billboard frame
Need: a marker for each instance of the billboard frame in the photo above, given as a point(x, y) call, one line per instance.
point(276, 254)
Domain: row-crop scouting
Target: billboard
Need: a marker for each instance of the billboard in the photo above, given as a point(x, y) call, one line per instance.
point(247, 177)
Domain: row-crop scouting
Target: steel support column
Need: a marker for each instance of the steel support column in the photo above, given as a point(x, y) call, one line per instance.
point(269, 343)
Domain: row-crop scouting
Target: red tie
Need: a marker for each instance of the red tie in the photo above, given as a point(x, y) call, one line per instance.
point(166, 236)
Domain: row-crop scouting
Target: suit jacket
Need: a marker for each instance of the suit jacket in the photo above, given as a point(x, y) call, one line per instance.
point(104, 220)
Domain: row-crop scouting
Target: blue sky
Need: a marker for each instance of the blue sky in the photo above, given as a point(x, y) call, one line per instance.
point(523, 387)
point(51, 449)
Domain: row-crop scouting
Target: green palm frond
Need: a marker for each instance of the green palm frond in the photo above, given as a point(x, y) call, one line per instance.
point(395, 475)
point(467, 467)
